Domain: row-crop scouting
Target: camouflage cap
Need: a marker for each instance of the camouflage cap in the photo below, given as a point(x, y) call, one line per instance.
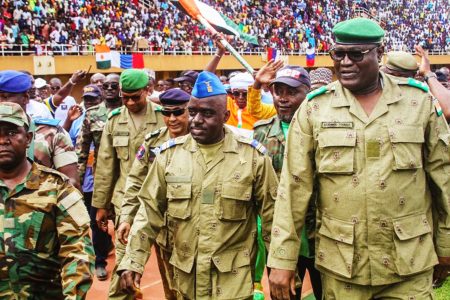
point(401, 61)
point(358, 31)
point(13, 113)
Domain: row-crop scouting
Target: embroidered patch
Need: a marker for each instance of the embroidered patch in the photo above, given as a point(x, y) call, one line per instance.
point(140, 153)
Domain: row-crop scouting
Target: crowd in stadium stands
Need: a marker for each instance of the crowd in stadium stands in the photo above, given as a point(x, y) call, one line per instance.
point(288, 25)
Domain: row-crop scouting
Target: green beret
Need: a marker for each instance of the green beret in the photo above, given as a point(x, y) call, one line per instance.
point(401, 61)
point(133, 80)
point(358, 31)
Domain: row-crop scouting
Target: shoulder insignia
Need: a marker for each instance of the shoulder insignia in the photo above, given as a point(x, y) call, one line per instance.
point(49, 122)
point(417, 84)
point(152, 134)
point(263, 122)
point(114, 112)
point(437, 107)
point(315, 93)
point(254, 144)
point(170, 143)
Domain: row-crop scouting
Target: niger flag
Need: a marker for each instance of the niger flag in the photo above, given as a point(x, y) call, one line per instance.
point(103, 57)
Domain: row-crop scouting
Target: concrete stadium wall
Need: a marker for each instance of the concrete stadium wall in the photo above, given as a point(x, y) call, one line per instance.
point(165, 66)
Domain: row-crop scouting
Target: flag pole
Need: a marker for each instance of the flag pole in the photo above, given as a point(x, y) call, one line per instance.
point(227, 45)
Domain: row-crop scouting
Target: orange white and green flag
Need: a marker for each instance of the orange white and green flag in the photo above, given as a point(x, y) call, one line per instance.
point(103, 57)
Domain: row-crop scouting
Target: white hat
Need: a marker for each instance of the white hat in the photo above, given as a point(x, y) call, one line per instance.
point(40, 83)
point(241, 81)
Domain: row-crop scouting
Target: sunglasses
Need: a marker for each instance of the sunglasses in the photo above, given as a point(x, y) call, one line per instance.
point(55, 88)
point(175, 112)
point(353, 55)
point(112, 85)
point(186, 85)
point(239, 94)
point(134, 98)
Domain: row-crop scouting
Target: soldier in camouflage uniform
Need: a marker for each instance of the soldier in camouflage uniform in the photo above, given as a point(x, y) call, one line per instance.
point(45, 249)
point(175, 117)
point(212, 185)
point(289, 86)
point(51, 146)
point(124, 132)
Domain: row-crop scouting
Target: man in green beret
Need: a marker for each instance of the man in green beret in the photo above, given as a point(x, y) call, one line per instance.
point(376, 147)
point(124, 132)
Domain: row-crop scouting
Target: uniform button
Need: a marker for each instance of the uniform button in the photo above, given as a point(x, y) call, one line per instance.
point(296, 178)
point(348, 286)
point(421, 239)
point(355, 180)
point(382, 184)
point(219, 290)
point(412, 164)
point(349, 268)
point(341, 237)
point(355, 220)
point(385, 261)
point(246, 253)
point(247, 196)
point(401, 200)
point(276, 231)
point(281, 251)
point(217, 260)
point(336, 197)
point(383, 224)
point(411, 261)
point(425, 221)
point(336, 155)
point(237, 176)
point(234, 272)
point(321, 255)
point(197, 231)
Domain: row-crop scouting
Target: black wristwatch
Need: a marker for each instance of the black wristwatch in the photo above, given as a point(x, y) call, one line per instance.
point(429, 75)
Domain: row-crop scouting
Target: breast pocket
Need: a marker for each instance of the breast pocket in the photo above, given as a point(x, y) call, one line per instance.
point(234, 201)
point(120, 143)
point(24, 231)
point(179, 196)
point(336, 151)
point(406, 145)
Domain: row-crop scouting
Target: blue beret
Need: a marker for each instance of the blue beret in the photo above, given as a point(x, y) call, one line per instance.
point(208, 85)
point(14, 82)
point(174, 97)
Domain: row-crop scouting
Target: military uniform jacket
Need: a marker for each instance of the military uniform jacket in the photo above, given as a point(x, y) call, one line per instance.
point(378, 179)
point(45, 248)
point(118, 147)
point(214, 215)
point(90, 133)
point(51, 146)
point(270, 134)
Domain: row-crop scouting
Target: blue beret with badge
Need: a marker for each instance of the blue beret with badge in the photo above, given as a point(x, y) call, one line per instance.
point(174, 97)
point(14, 82)
point(208, 85)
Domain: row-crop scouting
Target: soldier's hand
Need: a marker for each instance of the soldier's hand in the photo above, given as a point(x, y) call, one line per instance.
point(102, 219)
point(441, 271)
point(282, 284)
point(123, 231)
point(130, 282)
point(267, 73)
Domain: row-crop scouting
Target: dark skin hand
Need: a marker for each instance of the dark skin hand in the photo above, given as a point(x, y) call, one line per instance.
point(282, 284)
point(102, 219)
point(130, 283)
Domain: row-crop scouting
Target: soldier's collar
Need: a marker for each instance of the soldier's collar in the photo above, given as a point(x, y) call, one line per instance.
point(32, 181)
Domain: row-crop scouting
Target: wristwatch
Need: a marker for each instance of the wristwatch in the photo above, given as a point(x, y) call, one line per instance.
point(429, 75)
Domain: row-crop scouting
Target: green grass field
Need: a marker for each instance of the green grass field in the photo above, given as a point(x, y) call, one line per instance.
point(443, 293)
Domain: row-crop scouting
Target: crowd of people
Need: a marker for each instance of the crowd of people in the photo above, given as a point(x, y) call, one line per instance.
point(68, 27)
point(227, 175)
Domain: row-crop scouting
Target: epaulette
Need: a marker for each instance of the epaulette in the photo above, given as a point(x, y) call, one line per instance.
point(152, 134)
point(415, 83)
point(171, 143)
point(114, 112)
point(315, 93)
point(263, 122)
point(49, 122)
point(255, 144)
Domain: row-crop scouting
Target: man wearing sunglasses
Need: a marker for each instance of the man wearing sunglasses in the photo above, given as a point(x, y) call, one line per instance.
point(175, 116)
point(123, 133)
point(187, 80)
point(376, 148)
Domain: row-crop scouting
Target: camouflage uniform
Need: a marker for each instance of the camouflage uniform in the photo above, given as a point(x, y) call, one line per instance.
point(212, 208)
point(90, 133)
point(52, 146)
point(132, 210)
point(45, 249)
point(118, 146)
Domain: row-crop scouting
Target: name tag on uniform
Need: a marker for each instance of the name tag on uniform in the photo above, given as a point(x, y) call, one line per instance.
point(337, 124)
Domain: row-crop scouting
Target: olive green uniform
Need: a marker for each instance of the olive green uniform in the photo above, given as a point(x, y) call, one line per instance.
point(212, 202)
point(118, 146)
point(378, 178)
point(131, 207)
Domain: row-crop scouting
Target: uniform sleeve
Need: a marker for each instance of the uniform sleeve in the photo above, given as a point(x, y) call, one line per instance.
point(130, 202)
point(64, 152)
point(76, 252)
point(294, 193)
point(256, 108)
point(150, 219)
point(108, 170)
point(437, 166)
point(265, 192)
point(83, 146)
